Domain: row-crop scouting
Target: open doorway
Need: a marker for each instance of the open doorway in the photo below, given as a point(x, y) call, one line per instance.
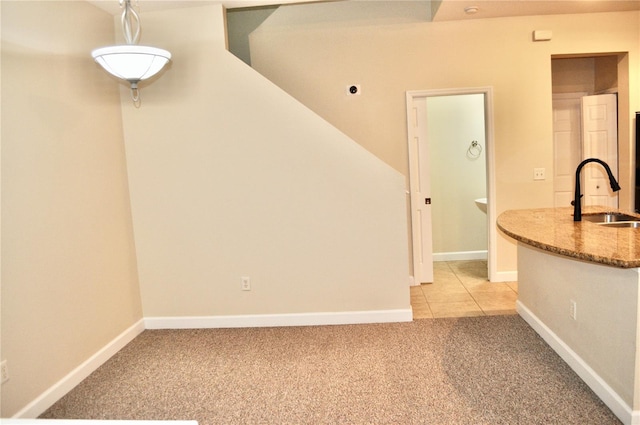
point(438, 171)
point(456, 137)
point(597, 83)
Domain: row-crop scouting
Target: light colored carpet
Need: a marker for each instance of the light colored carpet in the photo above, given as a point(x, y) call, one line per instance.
point(476, 370)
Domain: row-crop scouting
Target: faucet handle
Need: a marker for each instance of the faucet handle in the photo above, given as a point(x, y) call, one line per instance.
point(574, 202)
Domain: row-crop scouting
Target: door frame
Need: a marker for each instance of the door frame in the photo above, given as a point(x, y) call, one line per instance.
point(490, 167)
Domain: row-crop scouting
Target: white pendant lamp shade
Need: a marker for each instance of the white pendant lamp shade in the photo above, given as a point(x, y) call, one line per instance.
point(131, 62)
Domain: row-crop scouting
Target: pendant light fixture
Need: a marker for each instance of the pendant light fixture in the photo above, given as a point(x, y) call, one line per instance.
point(131, 62)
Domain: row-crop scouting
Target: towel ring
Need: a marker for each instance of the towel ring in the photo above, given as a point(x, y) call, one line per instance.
point(475, 150)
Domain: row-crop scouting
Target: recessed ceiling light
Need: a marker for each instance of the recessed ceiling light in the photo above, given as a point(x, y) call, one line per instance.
point(470, 10)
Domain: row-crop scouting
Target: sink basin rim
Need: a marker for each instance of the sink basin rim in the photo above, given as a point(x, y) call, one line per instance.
point(609, 217)
point(481, 203)
point(618, 224)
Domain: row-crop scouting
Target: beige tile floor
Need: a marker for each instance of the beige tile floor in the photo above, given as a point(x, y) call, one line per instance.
point(461, 288)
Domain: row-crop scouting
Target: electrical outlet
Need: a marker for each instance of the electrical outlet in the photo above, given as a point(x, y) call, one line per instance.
point(245, 283)
point(538, 174)
point(573, 307)
point(4, 372)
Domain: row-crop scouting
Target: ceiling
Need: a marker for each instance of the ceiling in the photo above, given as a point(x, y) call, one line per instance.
point(448, 10)
point(113, 6)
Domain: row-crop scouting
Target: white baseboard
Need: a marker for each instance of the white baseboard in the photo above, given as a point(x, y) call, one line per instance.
point(95, 422)
point(581, 368)
point(462, 255)
point(58, 390)
point(273, 320)
point(73, 378)
point(505, 277)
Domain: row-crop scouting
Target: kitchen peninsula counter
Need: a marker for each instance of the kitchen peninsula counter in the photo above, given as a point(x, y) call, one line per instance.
point(553, 230)
point(578, 287)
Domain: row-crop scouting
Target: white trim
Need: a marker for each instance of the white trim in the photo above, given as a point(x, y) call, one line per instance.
point(95, 422)
point(272, 320)
point(62, 387)
point(421, 229)
point(54, 393)
point(492, 258)
point(490, 166)
point(581, 368)
point(462, 255)
point(505, 277)
point(573, 95)
point(73, 378)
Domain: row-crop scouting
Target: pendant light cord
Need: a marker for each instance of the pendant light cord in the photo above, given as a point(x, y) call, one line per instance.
point(131, 31)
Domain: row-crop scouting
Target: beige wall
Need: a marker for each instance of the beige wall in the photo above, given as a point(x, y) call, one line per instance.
point(230, 177)
point(604, 333)
point(592, 75)
point(606, 73)
point(69, 280)
point(573, 75)
point(315, 62)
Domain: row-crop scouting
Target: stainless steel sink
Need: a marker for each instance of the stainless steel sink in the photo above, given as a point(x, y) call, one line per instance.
point(632, 224)
point(610, 218)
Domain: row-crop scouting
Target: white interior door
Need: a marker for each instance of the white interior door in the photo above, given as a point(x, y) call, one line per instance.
point(567, 141)
point(420, 192)
point(600, 140)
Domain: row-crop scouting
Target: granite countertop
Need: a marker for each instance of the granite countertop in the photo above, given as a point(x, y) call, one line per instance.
point(553, 230)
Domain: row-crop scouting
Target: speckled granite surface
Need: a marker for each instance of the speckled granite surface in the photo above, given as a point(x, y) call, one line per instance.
point(553, 230)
